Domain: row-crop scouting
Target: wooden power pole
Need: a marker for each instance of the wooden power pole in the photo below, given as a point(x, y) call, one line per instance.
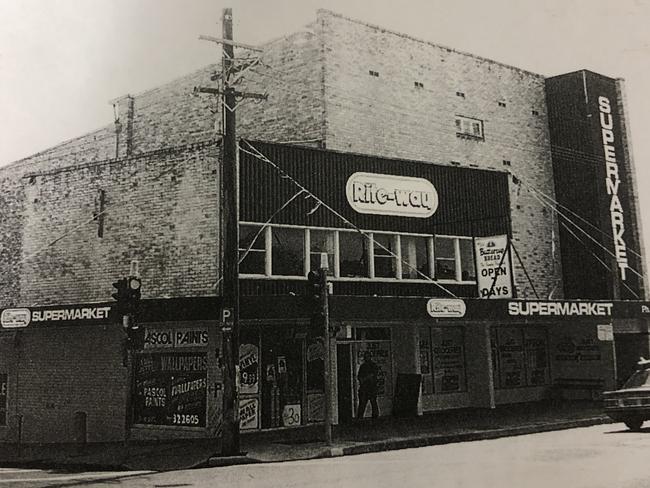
point(229, 190)
point(230, 208)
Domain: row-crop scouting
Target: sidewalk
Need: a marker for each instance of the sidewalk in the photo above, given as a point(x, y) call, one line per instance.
point(305, 443)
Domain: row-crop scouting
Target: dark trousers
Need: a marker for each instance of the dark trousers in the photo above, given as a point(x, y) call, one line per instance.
point(364, 398)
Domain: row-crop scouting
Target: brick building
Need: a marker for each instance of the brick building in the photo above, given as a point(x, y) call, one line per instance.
point(507, 153)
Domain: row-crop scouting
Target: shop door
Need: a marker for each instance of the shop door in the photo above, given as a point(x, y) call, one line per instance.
point(344, 382)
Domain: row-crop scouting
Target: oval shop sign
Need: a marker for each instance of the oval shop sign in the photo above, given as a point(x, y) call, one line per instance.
point(15, 318)
point(405, 196)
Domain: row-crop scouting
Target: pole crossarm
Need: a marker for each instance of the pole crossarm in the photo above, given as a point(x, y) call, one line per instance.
point(229, 43)
point(238, 94)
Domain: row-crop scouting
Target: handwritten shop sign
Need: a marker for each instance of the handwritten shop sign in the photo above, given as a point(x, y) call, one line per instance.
point(494, 276)
point(404, 196)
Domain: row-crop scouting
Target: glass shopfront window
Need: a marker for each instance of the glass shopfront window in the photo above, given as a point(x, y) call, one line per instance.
point(445, 254)
point(252, 249)
point(170, 389)
point(281, 378)
point(520, 357)
point(322, 241)
point(415, 257)
point(288, 251)
point(467, 262)
point(384, 255)
point(353, 255)
point(448, 347)
point(3, 398)
point(280, 251)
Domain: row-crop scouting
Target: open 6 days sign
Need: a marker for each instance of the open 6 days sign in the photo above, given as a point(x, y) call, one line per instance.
point(372, 193)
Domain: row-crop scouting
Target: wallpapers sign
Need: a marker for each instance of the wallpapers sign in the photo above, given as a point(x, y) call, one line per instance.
point(170, 389)
point(494, 275)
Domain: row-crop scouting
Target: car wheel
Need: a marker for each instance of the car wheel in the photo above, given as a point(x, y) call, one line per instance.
point(633, 424)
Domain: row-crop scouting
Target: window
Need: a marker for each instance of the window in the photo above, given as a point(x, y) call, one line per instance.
point(4, 385)
point(384, 255)
point(448, 347)
point(322, 241)
point(288, 251)
point(353, 255)
point(454, 259)
point(415, 257)
point(445, 253)
point(280, 251)
point(252, 249)
point(520, 356)
point(469, 127)
point(467, 264)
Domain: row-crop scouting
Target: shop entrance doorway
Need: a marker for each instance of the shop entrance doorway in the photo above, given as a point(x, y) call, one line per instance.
point(344, 382)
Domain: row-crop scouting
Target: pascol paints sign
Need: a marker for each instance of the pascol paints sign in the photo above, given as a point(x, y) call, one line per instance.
point(446, 307)
point(372, 193)
point(175, 338)
point(494, 276)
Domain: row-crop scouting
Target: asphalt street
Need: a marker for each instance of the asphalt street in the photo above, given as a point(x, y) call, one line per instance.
point(601, 456)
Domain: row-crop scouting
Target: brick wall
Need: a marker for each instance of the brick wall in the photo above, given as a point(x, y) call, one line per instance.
point(320, 92)
point(388, 115)
point(161, 209)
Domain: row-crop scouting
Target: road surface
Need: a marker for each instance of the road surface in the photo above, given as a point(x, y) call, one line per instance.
point(603, 456)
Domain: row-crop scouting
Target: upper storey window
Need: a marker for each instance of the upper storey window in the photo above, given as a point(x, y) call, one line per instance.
point(469, 127)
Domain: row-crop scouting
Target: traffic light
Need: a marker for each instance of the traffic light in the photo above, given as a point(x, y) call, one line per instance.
point(121, 297)
point(315, 297)
point(127, 309)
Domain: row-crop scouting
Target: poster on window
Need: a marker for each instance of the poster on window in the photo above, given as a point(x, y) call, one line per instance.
point(425, 362)
point(3, 399)
point(381, 357)
point(248, 413)
point(510, 348)
point(448, 346)
point(170, 389)
point(248, 369)
point(536, 344)
point(493, 271)
point(315, 407)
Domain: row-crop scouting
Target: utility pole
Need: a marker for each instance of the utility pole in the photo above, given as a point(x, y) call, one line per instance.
point(326, 340)
point(229, 189)
point(230, 206)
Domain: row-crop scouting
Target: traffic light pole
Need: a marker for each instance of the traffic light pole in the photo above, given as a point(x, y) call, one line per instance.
point(326, 361)
point(230, 445)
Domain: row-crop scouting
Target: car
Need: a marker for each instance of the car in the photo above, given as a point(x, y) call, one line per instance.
point(630, 404)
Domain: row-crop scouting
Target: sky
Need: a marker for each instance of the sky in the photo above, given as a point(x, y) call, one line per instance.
point(63, 61)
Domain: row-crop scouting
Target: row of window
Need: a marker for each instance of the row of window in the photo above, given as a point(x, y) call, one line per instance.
point(283, 251)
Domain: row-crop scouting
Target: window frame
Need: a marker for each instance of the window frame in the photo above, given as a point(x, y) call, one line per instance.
point(467, 127)
point(369, 243)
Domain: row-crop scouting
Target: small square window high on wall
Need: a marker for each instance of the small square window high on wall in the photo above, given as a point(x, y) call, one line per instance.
point(469, 127)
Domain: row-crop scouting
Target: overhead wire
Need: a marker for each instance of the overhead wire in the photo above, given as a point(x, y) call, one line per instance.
point(259, 155)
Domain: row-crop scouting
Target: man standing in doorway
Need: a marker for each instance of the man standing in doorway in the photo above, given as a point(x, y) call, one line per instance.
point(367, 377)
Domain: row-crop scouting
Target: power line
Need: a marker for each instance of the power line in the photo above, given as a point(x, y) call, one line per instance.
point(259, 155)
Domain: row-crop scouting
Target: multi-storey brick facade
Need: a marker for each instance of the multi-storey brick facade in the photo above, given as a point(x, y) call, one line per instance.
point(146, 188)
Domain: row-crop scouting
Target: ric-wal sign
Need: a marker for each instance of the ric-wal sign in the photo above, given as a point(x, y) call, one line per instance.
point(405, 196)
point(494, 275)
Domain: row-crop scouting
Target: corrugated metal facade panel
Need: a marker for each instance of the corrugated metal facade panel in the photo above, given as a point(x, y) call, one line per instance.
point(580, 172)
point(252, 287)
point(472, 202)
